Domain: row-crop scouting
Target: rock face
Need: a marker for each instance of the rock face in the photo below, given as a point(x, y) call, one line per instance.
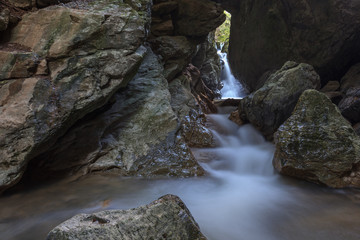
point(350, 105)
point(138, 135)
point(324, 34)
point(317, 144)
point(197, 18)
point(88, 54)
point(268, 107)
point(67, 107)
point(351, 78)
point(165, 218)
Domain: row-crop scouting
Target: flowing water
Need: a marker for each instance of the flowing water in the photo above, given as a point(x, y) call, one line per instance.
point(240, 198)
point(231, 86)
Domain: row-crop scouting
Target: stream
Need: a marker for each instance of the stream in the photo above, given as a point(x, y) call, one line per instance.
point(242, 197)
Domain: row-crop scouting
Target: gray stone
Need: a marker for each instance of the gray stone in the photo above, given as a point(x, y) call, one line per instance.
point(324, 34)
point(197, 18)
point(268, 107)
point(165, 218)
point(350, 105)
point(91, 54)
point(317, 144)
point(351, 78)
point(4, 18)
point(138, 135)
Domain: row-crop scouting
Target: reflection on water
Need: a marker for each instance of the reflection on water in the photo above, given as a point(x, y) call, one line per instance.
point(241, 198)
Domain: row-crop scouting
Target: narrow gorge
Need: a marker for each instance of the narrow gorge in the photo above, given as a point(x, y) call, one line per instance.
point(158, 119)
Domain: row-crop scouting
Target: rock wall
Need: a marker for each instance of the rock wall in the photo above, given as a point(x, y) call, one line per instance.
point(67, 107)
point(324, 34)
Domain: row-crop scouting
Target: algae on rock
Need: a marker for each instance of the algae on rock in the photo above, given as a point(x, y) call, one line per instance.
point(317, 144)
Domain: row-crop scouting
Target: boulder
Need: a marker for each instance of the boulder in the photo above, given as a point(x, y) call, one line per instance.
point(331, 86)
point(268, 107)
point(90, 54)
point(351, 78)
point(317, 144)
point(208, 62)
point(163, 28)
point(4, 18)
point(176, 52)
point(197, 18)
point(45, 3)
point(335, 97)
point(17, 64)
point(137, 135)
point(350, 105)
point(164, 8)
point(357, 128)
point(165, 218)
point(324, 34)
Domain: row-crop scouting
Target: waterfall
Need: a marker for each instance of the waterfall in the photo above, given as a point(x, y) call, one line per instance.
point(231, 86)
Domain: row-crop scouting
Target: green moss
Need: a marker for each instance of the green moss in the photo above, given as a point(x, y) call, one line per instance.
point(222, 33)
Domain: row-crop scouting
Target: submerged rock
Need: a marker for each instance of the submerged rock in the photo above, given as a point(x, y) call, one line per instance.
point(268, 107)
point(165, 218)
point(317, 144)
point(89, 53)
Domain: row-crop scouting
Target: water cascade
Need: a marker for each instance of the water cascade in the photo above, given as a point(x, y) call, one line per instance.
point(241, 198)
point(231, 86)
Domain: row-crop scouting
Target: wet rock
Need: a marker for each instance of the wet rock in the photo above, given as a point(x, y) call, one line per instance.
point(138, 135)
point(350, 105)
point(335, 97)
point(331, 86)
point(351, 78)
point(197, 18)
point(202, 93)
point(23, 3)
point(4, 18)
point(317, 144)
point(324, 34)
point(17, 64)
point(165, 218)
point(163, 28)
point(164, 8)
point(45, 3)
point(357, 128)
point(268, 107)
point(235, 117)
point(176, 52)
point(90, 55)
point(208, 62)
point(227, 102)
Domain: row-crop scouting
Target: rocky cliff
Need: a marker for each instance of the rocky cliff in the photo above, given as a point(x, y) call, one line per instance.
point(324, 34)
point(70, 104)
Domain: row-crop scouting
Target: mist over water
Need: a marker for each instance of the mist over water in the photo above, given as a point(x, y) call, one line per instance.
point(241, 198)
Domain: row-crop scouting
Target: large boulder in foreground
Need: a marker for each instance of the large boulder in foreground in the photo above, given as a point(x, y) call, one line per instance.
point(268, 107)
point(317, 144)
point(165, 218)
point(72, 61)
point(324, 34)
